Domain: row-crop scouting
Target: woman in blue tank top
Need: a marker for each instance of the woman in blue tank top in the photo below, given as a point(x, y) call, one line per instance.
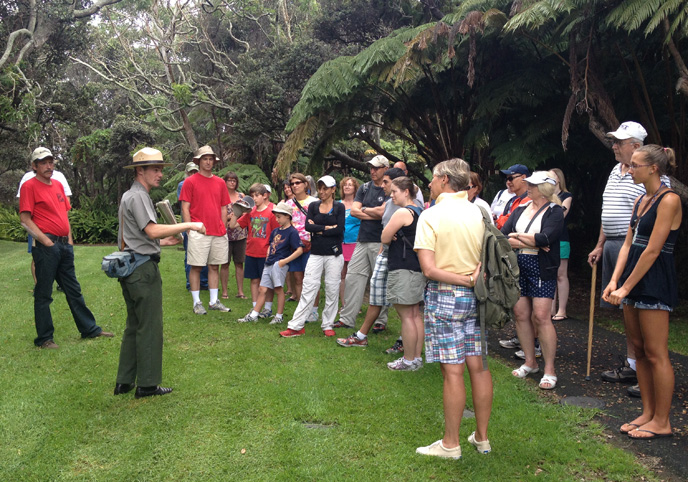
point(644, 280)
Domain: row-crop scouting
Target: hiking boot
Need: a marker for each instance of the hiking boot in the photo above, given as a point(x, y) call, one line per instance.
point(199, 310)
point(379, 328)
point(352, 341)
point(248, 319)
point(265, 313)
point(623, 374)
point(276, 320)
point(510, 343)
point(289, 333)
point(522, 356)
point(438, 450)
point(398, 347)
point(634, 391)
point(402, 366)
point(50, 345)
point(482, 447)
point(217, 306)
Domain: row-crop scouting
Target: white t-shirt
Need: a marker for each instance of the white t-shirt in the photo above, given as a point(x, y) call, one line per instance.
point(500, 201)
point(57, 176)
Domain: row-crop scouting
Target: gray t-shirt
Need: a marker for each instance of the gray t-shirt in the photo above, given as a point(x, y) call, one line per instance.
point(136, 211)
point(370, 195)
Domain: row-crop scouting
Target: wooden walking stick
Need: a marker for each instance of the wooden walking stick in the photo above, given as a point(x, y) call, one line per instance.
point(591, 317)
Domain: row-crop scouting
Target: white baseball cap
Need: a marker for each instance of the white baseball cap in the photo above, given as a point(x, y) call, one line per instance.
point(629, 130)
point(328, 181)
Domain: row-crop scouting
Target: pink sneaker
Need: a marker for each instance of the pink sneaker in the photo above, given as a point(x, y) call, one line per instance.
point(289, 333)
point(329, 333)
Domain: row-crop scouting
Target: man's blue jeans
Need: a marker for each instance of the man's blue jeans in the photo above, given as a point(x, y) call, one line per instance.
point(57, 263)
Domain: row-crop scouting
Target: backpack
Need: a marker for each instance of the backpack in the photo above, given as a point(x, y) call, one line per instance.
point(496, 289)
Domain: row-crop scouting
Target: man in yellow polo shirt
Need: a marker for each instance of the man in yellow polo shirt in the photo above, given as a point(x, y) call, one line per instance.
point(449, 243)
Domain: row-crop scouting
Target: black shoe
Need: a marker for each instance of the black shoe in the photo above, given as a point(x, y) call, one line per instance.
point(121, 388)
point(634, 391)
point(623, 374)
point(150, 391)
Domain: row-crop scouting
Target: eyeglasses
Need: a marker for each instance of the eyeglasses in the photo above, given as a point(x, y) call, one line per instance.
point(621, 143)
point(511, 178)
point(295, 183)
point(636, 166)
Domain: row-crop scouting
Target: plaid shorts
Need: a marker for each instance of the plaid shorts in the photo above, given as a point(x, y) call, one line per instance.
point(378, 281)
point(452, 331)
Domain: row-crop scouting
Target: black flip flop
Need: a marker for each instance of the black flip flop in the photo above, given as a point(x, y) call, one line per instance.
point(654, 435)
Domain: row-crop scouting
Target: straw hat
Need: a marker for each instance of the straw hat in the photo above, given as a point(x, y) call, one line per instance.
point(147, 157)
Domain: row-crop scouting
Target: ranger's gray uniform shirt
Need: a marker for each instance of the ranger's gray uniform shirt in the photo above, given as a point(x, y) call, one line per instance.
point(135, 212)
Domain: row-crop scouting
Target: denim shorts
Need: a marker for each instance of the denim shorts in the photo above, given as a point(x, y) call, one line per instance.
point(647, 305)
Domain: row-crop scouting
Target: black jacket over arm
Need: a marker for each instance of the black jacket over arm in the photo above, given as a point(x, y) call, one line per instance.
point(550, 232)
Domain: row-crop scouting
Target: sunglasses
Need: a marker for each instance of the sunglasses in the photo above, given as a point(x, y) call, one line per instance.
point(511, 178)
point(295, 183)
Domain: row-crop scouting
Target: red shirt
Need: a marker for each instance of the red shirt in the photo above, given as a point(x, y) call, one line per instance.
point(260, 224)
point(206, 197)
point(47, 204)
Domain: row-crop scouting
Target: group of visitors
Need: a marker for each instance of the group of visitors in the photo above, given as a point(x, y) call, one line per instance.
point(424, 262)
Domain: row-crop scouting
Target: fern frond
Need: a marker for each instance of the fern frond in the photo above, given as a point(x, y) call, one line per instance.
point(295, 142)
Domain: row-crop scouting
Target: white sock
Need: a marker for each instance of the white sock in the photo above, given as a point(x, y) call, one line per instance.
point(278, 315)
point(253, 314)
point(213, 295)
point(254, 304)
point(631, 363)
point(196, 296)
point(418, 359)
point(360, 335)
point(407, 362)
point(268, 305)
point(315, 310)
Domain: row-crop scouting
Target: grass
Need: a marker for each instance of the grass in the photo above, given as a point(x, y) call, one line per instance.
point(248, 405)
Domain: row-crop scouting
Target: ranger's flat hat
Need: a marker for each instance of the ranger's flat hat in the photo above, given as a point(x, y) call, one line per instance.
point(147, 157)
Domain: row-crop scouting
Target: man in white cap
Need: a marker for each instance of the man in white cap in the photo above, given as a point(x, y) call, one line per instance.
point(368, 207)
point(140, 357)
point(43, 207)
point(204, 199)
point(617, 208)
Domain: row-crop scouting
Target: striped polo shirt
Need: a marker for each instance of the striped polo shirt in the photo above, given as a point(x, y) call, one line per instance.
point(618, 199)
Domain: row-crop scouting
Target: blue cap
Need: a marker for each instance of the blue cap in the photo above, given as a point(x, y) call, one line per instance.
point(516, 169)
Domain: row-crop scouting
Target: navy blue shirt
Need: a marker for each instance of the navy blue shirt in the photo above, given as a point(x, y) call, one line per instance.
point(283, 242)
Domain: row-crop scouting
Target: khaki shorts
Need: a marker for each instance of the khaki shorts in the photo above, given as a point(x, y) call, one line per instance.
point(405, 287)
point(204, 250)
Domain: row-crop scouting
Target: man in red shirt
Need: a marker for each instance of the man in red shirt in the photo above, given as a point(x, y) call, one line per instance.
point(43, 208)
point(204, 199)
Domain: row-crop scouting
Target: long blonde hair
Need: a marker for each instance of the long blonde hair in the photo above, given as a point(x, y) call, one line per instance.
point(547, 189)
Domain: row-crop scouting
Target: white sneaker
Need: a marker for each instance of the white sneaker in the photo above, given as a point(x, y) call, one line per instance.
point(276, 320)
point(217, 306)
point(265, 313)
point(313, 317)
point(482, 447)
point(199, 310)
point(522, 356)
point(438, 450)
point(248, 319)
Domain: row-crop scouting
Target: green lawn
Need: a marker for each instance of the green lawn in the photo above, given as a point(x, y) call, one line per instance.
point(249, 405)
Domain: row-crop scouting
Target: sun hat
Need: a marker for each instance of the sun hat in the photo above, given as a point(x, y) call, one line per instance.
point(379, 161)
point(202, 151)
point(540, 177)
point(191, 166)
point(243, 206)
point(147, 157)
point(283, 208)
point(516, 169)
point(629, 130)
point(328, 181)
point(41, 153)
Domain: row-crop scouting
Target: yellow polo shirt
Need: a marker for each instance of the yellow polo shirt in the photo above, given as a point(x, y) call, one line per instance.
point(453, 228)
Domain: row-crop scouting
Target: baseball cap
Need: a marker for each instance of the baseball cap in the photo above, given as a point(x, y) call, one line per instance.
point(328, 181)
point(379, 161)
point(191, 166)
point(41, 153)
point(516, 169)
point(629, 130)
point(540, 177)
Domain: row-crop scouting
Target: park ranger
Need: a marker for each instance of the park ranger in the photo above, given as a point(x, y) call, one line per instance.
point(140, 357)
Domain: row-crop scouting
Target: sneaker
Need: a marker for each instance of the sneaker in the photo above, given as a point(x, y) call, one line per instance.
point(265, 313)
point(276, 320)
point(418, 363)
point(352, 341)
point(199, 310)
point(400, 365)
point(510, 343)
point(623, 374)
point(482, 447)
point(217, 306)
point(438, 450)
point(522, 356)
point(378, 328)
point(634, 391)
point(329, 333)
point(289, 333)
point(50, 345)
point(313, 317)
point(398, 347)
point(248, 319)
point(339, 324)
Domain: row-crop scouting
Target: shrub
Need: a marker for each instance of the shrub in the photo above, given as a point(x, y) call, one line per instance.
point(10, 225)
